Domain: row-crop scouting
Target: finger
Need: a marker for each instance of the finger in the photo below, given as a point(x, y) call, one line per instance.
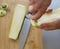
point(49, 10)
point(40, 12)
point(45, 25)
point(34, 7)
point(51, 28)
point(32, 2)
point(48, 26)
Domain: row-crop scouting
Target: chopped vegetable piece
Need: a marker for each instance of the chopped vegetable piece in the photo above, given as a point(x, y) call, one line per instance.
point(17, 21)
point(3, 13)
point(4, 6)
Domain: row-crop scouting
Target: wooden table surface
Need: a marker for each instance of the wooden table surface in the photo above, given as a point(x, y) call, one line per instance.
point(34, 40)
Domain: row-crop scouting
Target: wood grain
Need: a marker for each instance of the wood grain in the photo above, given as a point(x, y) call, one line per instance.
point(34, 40)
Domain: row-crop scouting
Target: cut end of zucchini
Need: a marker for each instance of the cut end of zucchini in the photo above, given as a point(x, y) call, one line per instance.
point(33, 23)
point(47, 18)
point(17, 21)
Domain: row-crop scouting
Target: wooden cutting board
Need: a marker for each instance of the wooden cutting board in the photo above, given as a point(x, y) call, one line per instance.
point(34, 40)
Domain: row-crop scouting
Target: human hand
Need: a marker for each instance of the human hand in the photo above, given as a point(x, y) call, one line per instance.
point(38, 8)
point(51, 26)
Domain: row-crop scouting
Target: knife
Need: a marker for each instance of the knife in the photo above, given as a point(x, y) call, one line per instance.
point(24, 32)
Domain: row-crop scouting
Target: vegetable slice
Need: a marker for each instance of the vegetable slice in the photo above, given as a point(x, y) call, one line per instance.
point(4, 6)
point(2, 13)
point(17, 21)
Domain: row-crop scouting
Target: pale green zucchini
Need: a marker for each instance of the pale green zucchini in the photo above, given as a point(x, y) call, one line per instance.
point(17, 21)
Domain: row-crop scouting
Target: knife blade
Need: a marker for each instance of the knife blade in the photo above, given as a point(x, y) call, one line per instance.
point(24, 33)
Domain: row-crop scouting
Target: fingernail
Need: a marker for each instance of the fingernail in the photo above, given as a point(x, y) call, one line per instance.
point(30, 8)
